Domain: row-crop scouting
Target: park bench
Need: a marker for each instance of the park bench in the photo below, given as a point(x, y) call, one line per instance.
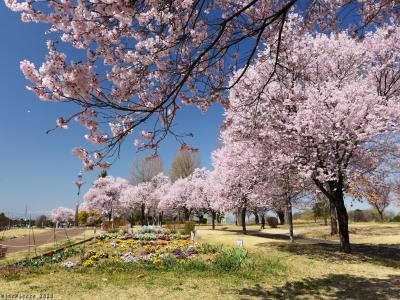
point(3, 250)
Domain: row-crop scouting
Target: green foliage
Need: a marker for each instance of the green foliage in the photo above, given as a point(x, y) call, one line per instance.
point(271, 265)
point(82, 217)
point(103, 174)
point(396, 218)
point(272, 222)
point(171, 226)
point(51, 257)
point(188, 227)
point(358, 216)
point(321, 210)
point(231, 260)
point(209, 248)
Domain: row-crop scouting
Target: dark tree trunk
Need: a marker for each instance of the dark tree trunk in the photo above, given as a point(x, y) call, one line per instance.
point(262, 221)
point(213, 215)
point(343, 218)
point(219, 217)
point(334, 227)
point(142, 215)
point(186, 214)
point(380, 212)
point(281, 216)
point(290, 218)
point(243, 219)
point(381, 215)
point(256, 218)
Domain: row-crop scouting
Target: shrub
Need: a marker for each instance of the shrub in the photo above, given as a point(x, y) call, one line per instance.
point(396, 218)
point(171, 226)
point(272, 222)
point(150, 229)
point(41, 221)
point(359, 216)
point(208, 248)
point(188, 227)
point(202, 220)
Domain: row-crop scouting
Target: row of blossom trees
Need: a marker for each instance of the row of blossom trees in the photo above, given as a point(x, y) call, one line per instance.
point(159, 197)
point(306, 110)
point(325, 115)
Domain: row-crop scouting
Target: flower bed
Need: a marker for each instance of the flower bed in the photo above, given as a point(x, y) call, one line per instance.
point(149, 249)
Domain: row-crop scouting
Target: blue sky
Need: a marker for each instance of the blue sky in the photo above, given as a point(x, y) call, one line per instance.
point(38, 169)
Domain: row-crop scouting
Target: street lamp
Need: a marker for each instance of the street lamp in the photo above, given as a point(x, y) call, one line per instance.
point(79, 182)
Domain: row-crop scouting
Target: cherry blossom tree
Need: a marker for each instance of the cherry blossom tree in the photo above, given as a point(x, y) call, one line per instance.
point(62, 214)
point(146, 196)
point(238, 172)
point(175, 201)
point(135, 197)
point(104, 196)
point(203, 196)
point(331, 110)
point(158, 53)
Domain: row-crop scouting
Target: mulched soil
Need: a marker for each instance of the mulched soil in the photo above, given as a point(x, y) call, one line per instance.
point(22, 243)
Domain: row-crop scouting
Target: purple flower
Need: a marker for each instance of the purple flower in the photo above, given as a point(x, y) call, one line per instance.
point(191, 250)
point(182, 255)
point(177, 252)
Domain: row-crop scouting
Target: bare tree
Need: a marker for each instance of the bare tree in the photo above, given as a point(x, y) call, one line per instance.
point(185, 162)
point(144, 169)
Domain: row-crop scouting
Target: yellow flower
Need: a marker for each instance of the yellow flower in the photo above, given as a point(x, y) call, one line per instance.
point(88, 263)
point(114, 260)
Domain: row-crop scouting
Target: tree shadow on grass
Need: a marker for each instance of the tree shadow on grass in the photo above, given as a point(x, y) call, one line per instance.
point(380, 254)
point(384, 255)
point(334, 286)
point(274, 236)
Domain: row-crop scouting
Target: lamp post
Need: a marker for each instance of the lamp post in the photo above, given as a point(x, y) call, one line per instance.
point(79, 182)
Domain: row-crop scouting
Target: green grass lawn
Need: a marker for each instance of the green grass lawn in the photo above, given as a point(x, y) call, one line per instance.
point(281, 271)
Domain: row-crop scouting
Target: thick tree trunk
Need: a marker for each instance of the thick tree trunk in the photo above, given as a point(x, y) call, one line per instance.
point(213, 215)
point(142, 215)
point(243, 220)
point(290, 218)
point(281, 216)
point(343, 218)
point(334, 227)
point(256, 218)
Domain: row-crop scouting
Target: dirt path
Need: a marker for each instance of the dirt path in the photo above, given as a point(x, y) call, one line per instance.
point(22, 243)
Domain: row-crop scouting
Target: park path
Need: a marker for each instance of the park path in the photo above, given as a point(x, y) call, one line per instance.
point(22, 243)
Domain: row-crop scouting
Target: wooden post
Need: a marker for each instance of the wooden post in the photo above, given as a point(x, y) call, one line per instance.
point(34, 241)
